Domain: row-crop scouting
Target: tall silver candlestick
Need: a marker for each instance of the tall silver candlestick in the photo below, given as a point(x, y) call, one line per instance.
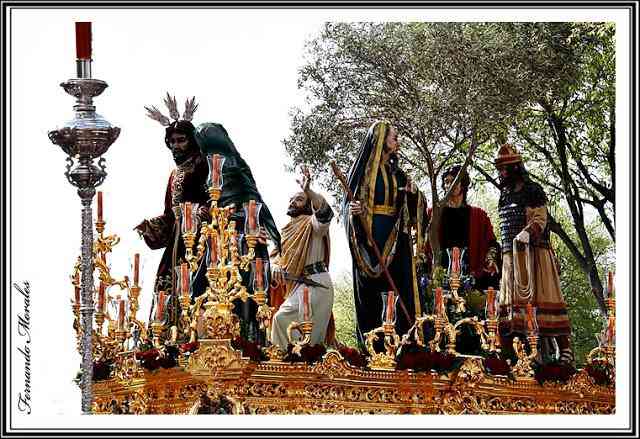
point(85, 138)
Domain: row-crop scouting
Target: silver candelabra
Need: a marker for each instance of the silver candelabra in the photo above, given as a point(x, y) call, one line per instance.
point(85, 138)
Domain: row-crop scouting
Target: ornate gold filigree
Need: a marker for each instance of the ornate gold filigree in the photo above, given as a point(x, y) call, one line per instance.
point(214, 356)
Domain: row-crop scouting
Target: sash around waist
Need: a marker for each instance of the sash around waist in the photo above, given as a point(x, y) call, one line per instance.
point(384, 210)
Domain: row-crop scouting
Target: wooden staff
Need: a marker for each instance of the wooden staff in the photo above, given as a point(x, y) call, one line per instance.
point(343, 181)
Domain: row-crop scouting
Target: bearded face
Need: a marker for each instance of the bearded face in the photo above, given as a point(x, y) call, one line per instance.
point(299, 205)
point(509, 176)
point(180, 148)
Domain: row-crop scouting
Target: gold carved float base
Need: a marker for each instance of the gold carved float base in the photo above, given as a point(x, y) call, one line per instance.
point(217, 372)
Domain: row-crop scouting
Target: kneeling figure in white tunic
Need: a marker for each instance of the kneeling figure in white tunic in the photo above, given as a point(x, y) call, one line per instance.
point(304, 257)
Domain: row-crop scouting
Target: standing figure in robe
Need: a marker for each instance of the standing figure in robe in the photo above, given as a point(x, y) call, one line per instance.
point(467, 227)
point(529, 271)
point(305, 256)
point(387, 202)
point(188, 183)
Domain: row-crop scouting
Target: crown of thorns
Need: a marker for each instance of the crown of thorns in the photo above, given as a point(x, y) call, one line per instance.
point(170, 102)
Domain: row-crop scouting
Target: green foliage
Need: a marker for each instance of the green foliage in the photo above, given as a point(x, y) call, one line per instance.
point(547, 87)
point(586, 319)
point(437, 82)
point(344, 310)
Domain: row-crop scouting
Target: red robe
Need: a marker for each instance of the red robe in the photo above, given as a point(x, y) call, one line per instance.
point(480, 237)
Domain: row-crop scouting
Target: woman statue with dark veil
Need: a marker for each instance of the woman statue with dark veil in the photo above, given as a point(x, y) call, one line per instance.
point(387, 203)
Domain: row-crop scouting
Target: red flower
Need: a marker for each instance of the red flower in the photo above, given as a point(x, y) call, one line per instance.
point(189, 347)
point(554, 372)
point(497, 366)
point(353, 356)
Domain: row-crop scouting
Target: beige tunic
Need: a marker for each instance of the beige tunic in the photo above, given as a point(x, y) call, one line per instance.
point(321, 299)
point(552, 316)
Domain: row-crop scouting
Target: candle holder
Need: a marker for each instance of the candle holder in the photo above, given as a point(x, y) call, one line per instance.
point(220, 242)
point(100, 225)
point(455, 257)
point(214, 197)
point(102, 247)
point(454, 284)
point(84, 139)
point(443, 328)
point(260, 276)
point(274, 353)
point(189, 226)
point(382, 360)
point(183, 291)
point(524, 364)
point(305, 328)
point(264, 312)
point(100, 318)
point(121, 336)
point(157, 329)
point(606, 351)
point(491, 321)
point(134, 294)
point(493, 340)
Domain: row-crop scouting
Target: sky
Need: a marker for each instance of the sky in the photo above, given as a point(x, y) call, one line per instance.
point(241, 65)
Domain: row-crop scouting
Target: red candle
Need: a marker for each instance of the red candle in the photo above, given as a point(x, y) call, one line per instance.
point(121, 312)
point(439, 301)
point(259, 274)
point(101, 292)
point(455, 260)
point(611, 331)
point(160, 306)
point(77, 288)
point(610, 290)
point(99, 205)
point(305, 303)
point(216, 160)
point(213, 250)
point(136, 269)
point(530, 317)
point(83, 40)
point(252, 215)
point(187, 216)
point(491, 296)
point(184, 275)
point(390, 308)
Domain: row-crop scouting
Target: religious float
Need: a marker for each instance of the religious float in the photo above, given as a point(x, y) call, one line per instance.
point(203, 366)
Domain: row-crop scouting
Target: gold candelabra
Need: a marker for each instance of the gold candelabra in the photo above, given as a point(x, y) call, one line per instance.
point(385, 360)
point(111, 344)
point(607, 350)
point(223, 275)
point(524, 364)
point(454, 285)
point(493, 340)
point(305, 328)
point(157, 329)
point(486, 330)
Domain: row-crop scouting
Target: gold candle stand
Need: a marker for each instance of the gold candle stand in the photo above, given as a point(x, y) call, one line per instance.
point(157, 329)
point(454, 284)
point(492, 339)
point(306, 328)
point(524, 365)
point(383, 360)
